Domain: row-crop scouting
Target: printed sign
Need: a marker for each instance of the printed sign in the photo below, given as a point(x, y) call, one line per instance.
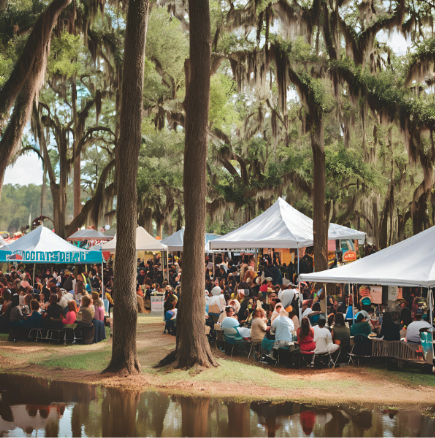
point(393, 293)
point(53, 256)
point(349, 256)
point(376, 294)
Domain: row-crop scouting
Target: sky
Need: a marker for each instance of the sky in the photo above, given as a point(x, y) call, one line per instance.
point(28, 168)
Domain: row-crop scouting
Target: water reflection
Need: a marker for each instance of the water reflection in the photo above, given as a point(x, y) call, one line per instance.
point(39, 407)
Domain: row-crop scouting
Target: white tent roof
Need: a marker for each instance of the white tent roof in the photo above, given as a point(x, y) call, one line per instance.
point(340, 232)
point(144, 242)
point(280, 226)
point(175, 241)
point(2, 242)
point(407, 263)
point(42, 245)
point(88, 235)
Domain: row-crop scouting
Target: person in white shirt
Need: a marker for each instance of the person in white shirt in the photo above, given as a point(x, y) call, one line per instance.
point(323, 338)
point(413, 331)
point(286, 296)
point(283, 328)
point(216, 303)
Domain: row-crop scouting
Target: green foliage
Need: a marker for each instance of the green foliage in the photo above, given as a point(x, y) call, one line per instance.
point(64, 52)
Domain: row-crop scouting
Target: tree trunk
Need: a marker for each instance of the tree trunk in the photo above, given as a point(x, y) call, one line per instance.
point(124, 353)
point(192, 346)
point(319, 186)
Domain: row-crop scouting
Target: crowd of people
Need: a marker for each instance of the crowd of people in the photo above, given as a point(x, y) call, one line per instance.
point(55, 300)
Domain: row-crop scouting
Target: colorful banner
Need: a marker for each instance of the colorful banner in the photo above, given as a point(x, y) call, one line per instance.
point(63, 257)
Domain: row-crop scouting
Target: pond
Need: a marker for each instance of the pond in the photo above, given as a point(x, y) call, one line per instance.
point(32, 406)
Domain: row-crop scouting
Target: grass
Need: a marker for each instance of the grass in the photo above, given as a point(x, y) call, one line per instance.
point(408, 377)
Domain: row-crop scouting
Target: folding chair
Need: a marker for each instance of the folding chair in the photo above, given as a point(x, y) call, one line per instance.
point(307, 357)
point(33, 334)
point(321, 356)
point(253, 346)
point(55, 335)
point(233, 337)
point(361, 347)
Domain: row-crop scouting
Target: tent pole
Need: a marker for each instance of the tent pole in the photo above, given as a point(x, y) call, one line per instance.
point(34, 269)
point(299, 288)
point(326, 302)
point(102, 275)
point(213, 265)
point(167, 269)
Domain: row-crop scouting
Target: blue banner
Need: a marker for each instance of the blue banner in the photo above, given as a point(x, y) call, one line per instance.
point(61, 257)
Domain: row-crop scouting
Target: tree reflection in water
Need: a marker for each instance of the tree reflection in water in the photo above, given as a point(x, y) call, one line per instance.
point(47, 408)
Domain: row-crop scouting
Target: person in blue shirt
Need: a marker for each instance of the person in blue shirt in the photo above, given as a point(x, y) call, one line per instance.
point(34, 319)
point(283, 327)
point(361, 326)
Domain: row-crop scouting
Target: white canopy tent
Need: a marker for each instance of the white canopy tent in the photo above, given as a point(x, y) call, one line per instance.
point(3, 243)
point(144, 242)
point(175, 241)
point(280, 226)
point(89, 234)
point(340, 232)
point(407, 263)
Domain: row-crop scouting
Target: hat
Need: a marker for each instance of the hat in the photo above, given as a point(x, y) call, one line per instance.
point(289, 309)
point(268, 278)
point(216, 291)
point(67, 272)
point(366, 301)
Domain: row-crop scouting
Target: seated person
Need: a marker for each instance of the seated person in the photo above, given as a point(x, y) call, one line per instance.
point(314, 318)
point(86, 313)
point(34, 318)
point(231, 322)
point(216, 303)
point(16, 315)
point(71, 315)
point(361, 326)
point(323, 338)
point(277, 310)
point(413, 331)
point(258, 326)
point(171, 314)
point(340, 332)
point(390, 331)
point(306, 336)
point(224, 314)
point(283, 328)
point(53, 315)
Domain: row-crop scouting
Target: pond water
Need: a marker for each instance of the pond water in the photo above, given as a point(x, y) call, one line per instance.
point(39, 407)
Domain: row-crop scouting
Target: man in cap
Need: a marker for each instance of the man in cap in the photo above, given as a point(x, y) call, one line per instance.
point(413, 331)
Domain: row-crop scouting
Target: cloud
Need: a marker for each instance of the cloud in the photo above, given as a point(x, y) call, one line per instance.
point(26, 170)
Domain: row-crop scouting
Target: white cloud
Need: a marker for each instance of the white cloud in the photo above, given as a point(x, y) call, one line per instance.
point(26, 170)
point(395, 40)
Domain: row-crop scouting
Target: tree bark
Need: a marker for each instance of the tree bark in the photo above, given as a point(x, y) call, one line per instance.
point(124, 353)
point(192, 345)
point(319, 183)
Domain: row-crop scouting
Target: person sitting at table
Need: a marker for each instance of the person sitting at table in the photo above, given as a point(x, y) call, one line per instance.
point(413, 331)
point(390, 331)
point(231, 322)
point(86, 313)
point(276, 311)
point(16, 315)
point(224, 314)
point(216, 303)
point(292, 315)
point(323, 338)
point(34, 318)
point(314, 318)
point(283, 328)
point(405, 316)
point(71, 315)
point(361, 326)
point(258, 327)
point(340, 332)
point(306, 336)
point(53, 315)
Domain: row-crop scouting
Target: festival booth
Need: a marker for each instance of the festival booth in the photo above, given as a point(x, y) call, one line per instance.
point(175, 241)
point(280, 226)
point(144, 242)
point(43, 246)
point(410, 263)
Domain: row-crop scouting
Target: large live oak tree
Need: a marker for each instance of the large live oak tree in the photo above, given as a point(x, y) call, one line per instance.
point(124, 353)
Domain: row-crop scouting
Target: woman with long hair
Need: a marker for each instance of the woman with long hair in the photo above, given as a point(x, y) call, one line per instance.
point(306, 336)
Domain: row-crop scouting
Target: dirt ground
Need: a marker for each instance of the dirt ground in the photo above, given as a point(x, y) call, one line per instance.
point(234, 378)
